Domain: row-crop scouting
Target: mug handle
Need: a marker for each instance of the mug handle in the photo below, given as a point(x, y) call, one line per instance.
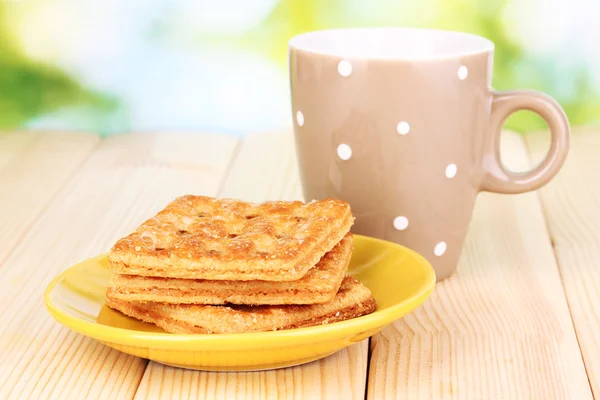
point(499, 180)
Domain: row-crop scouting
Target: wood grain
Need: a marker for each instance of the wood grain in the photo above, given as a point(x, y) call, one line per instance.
point(127, 179)
point(571, 205)
point(13, 144)
point(33, 167)
point(340, 376)
point(500, 327)
point(264, 169)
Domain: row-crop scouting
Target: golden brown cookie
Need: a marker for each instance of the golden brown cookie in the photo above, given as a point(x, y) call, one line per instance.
point(351, 301)
point(198, 237)
point(319, 285)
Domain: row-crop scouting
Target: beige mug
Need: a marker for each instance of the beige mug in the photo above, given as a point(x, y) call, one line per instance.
point(404, 125)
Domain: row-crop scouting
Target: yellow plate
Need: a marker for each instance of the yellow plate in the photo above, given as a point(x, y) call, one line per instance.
point(399, 279)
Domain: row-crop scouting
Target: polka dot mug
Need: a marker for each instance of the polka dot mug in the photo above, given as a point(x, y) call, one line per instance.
point(404, 125)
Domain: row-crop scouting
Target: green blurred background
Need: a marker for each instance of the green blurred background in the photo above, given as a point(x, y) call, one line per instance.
point(118, 66)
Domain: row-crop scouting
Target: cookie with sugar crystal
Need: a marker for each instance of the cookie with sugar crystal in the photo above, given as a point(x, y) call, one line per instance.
point(352, 300)
point(318, 285)
point(199, 237)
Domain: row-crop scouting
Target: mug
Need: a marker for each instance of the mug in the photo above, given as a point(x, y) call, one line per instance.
point(403, 124)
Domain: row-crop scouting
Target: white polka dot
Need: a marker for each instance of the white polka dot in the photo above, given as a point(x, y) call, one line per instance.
point(451, 171)
point(344, 151)
point(300, 118)
point(401, 223)
point(440, 249)
point(403, 128)
point(463, 72)
point(345, 68)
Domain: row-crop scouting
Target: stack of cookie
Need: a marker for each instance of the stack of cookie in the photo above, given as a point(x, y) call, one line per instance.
point(206, 265)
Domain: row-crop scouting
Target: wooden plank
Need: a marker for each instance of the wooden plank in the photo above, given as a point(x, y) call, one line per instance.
point(571, 204)
point(127, 179)
point(339, 376)
point(500, 327)
point(33, 167)
point(265, 169)
point(13, 144)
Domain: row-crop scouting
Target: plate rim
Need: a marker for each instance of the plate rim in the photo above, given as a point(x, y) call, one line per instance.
point(234, 341)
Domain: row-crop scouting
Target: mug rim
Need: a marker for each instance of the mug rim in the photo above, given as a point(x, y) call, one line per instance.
point(382, 43)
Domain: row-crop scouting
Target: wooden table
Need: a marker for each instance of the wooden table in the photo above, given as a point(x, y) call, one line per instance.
point(520, 319)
